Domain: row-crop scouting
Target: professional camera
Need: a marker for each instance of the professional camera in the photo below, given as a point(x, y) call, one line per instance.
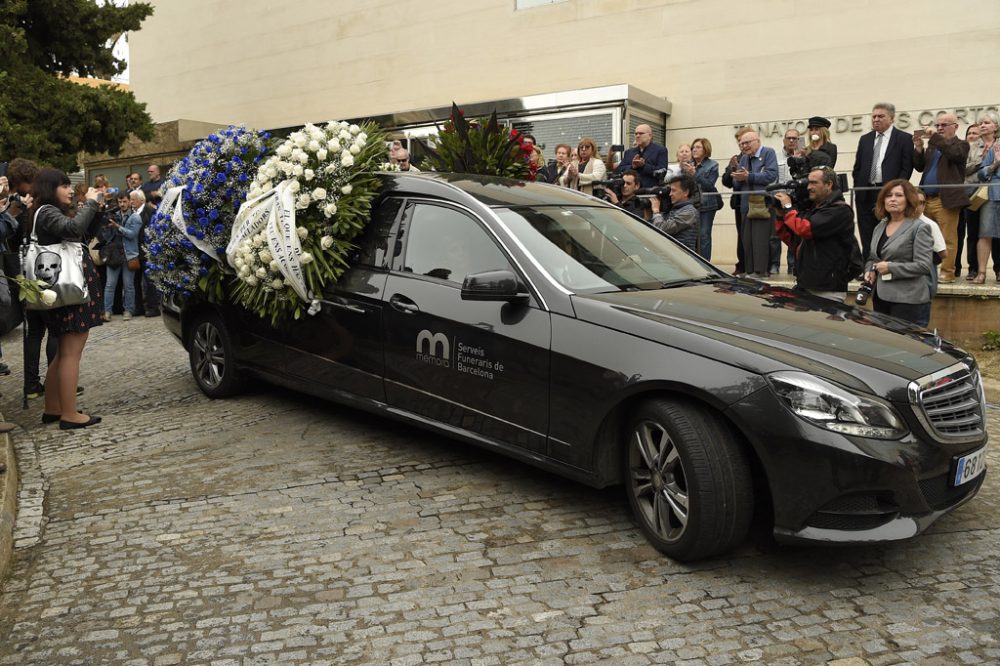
point(614, 184)
point(864, 292)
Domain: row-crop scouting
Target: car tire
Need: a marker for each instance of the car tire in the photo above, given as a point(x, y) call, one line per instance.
point(688, 480)
point(212, 358)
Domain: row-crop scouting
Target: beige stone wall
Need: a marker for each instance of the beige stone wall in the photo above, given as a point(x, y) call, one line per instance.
point(721, 62)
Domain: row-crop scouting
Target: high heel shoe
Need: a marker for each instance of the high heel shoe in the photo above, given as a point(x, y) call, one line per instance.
point(980, 279)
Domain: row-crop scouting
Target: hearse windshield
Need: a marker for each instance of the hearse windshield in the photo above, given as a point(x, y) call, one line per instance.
point(600, 249)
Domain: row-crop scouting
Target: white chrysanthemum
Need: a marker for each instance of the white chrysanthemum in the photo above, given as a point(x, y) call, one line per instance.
point(308, 174)
point(305, 258)
point(326, 242)
point(251, 280)
point(355, 149)
point(346, 189)
point(265, 256)
point(319, 193)
point(244, 271)
point(284, 150)
point(347, 160)
point(261, 273)
point(238, 261)
point(363, 137)
point(302, 232)
point(355, 129)
point(321, 154)
point(303, 201)
point(277, 284)
point(273, 266)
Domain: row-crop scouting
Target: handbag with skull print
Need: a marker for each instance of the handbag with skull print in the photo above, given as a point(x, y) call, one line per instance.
point(59, 267)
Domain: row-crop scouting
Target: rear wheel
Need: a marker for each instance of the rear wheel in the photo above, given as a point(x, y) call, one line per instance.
point(212, 358)
point(688, 481)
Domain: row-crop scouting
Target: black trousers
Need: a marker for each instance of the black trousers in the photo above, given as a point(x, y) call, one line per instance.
point(866, 222)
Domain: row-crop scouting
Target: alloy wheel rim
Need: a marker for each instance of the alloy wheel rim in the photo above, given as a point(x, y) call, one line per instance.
point(210, 359)
point(659, 483)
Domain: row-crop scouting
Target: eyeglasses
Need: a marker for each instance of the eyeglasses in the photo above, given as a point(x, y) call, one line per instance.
point(943, 125)
point(745, 143)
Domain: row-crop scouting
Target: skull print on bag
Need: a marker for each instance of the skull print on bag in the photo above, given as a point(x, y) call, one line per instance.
point(48, 266)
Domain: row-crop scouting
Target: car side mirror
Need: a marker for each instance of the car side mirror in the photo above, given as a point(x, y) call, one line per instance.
point(493, 286)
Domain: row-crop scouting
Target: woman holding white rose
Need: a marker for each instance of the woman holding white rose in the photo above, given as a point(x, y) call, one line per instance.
point(53, 198)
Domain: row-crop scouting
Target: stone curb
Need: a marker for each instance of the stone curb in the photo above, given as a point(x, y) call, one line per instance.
point(8, 505)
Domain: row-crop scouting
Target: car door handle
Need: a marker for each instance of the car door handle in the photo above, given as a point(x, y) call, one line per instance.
point(344, 305)
point(403, 304)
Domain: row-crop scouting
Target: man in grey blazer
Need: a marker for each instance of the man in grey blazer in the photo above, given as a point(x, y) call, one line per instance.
point(894, 159)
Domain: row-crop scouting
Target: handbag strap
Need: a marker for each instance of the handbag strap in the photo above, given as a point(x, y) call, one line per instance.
point(34, 223)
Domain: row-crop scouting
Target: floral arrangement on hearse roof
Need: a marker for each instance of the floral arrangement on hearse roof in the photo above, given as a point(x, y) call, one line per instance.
point(186, 238)
point(309, 200)
point(481, 146)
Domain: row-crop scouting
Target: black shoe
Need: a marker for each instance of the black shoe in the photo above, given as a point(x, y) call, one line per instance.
point(4, 369)
point(50, 418)
point(70, 425)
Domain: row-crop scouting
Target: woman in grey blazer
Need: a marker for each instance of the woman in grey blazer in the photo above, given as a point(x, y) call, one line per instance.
point(900, 263)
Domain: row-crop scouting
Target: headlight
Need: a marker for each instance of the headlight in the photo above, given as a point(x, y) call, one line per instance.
point(835, 408)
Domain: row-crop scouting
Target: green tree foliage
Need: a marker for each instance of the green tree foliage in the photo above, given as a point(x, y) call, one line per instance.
point(50, 119)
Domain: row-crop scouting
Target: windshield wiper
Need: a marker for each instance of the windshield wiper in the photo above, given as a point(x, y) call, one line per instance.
point(707, 279)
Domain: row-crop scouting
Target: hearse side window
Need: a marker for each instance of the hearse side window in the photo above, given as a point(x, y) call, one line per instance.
point(447, 244)
point(373, 244)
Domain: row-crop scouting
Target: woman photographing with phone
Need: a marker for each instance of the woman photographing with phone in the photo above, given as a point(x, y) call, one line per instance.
point(53, 199)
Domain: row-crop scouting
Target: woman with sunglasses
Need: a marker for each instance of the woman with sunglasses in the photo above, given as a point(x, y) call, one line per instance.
point(581, 174)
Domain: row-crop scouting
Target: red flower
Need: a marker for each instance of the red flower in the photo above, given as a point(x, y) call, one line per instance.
point(514, 134)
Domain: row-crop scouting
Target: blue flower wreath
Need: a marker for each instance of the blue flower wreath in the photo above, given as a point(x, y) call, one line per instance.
point(216, 176)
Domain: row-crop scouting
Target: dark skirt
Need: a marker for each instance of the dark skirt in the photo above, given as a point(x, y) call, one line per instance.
point(79, 318)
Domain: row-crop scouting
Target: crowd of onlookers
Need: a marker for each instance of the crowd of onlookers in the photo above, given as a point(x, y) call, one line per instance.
point(43, 203)
point(955, 211)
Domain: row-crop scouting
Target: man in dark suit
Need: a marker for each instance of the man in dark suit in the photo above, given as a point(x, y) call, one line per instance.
point(645, 157)
point(894, 159)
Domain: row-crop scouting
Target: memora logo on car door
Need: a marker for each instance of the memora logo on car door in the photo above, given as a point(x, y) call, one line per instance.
point(438, 349)
point(435, 349)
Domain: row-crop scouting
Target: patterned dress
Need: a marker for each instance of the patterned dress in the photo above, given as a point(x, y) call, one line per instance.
point(79, 318)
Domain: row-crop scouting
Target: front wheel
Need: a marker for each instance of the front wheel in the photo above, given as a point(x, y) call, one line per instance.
point(212, 357)
point(688, 481)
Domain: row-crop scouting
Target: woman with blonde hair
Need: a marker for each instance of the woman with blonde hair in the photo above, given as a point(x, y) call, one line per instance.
point(989, 214)
point(581, 174)
point(819, 150)
point(705, 171)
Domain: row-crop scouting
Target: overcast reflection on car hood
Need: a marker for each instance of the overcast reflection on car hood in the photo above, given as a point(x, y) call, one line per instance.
point(779, 323)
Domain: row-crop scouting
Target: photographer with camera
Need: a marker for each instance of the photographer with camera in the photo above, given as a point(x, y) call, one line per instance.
point(630, 187)
point(683, 221)
point(825, 234)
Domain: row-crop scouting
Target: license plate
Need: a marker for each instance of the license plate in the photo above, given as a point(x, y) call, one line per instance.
point(969, 467)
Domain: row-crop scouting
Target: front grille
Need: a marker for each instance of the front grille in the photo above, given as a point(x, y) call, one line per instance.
point(951, 403)
point(940, 494)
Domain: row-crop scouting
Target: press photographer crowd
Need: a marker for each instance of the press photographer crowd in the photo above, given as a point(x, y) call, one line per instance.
point(911, 238)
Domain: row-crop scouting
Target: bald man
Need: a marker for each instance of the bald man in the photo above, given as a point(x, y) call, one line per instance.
point(645, 156)
point(942, 163)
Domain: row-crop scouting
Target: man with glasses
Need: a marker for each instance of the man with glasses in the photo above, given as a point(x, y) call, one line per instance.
point(884, 154)
point(943, 164)
point(645, 157)
point(756, 167)
point(403, 161)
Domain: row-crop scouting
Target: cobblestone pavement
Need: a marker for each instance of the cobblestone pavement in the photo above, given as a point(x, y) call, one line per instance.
point(274, 528)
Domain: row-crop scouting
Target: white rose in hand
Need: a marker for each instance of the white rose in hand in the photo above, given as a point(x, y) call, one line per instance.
point(47, 297)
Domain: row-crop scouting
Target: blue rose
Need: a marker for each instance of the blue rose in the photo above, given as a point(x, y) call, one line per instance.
point(213, 214)
point(218, 229)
